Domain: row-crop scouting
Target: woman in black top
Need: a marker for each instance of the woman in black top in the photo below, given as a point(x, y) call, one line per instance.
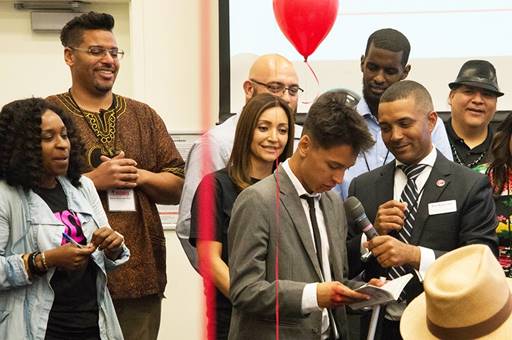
point(263, 138)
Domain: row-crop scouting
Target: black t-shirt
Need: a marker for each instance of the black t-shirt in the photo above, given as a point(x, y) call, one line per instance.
point(225, 195)
point(74, 312)
point(463, 154)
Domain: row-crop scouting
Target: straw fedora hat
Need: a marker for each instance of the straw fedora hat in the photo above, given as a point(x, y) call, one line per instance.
point(467, 296)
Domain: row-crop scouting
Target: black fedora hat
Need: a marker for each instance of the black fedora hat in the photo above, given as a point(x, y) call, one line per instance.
point(478, 73)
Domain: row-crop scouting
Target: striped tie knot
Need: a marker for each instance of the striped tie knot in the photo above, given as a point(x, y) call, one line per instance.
point(412, 171)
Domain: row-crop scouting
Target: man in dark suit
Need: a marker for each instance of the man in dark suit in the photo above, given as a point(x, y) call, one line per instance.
point(296, 243)
point(423, 205)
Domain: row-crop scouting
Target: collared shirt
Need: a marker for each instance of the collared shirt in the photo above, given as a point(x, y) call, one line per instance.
point(379, 155)
point(217, 142)
point(463, 154)
point(394, 310)
point(309, 296)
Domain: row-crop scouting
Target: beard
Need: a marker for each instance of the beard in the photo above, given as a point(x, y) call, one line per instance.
point(372, 100)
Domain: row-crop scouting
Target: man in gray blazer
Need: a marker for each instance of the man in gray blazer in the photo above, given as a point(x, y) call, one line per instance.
point(422, 204)
point(288, 232)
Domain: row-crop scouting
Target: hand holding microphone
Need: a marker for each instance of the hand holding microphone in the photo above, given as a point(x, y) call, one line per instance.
point(390, 217)
point(356, 215)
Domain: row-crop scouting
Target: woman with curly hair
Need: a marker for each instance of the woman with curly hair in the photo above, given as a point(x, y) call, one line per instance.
point(500, 176)
point(263, 137)
point(55, 242)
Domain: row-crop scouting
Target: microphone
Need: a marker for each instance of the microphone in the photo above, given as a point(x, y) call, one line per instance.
point(355, 213)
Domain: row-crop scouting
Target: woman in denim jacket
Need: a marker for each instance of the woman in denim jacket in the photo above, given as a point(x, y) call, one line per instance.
point(55, 242)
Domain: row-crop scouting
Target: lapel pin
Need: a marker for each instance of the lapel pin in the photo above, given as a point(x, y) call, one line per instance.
point(440, 183)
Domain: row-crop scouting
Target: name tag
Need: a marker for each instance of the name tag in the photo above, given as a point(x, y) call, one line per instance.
point(121, 200)
point(444, 207)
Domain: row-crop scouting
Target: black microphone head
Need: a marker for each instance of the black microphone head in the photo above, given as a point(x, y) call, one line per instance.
point(353, 208)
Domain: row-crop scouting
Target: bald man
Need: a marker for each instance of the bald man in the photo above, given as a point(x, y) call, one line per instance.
point(270, 73)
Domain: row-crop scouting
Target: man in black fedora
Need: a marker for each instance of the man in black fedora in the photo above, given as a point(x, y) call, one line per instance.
point(473, 99)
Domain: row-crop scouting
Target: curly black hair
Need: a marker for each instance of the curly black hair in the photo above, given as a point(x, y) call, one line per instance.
point(20, 143)
point(71, 33)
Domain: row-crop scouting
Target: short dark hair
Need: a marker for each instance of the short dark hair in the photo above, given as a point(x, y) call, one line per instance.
point(239, 162)
point(408, 88)
point(20, 143)
point(391, 40)
point(72, 33)
point(331, 121)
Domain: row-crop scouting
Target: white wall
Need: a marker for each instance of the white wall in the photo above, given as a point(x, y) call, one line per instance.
point(32, 64)
point(167, 55)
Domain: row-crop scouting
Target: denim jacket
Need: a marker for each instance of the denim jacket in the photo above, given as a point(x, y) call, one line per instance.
point(27, 224)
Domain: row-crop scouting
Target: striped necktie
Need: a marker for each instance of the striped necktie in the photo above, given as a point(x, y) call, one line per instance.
point(410, 196)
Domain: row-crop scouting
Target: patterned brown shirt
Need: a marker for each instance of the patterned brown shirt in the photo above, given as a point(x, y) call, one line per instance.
point(136, 129)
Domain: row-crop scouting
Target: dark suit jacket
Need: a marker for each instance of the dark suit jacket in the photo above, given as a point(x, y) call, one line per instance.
point(473, 222)
point(255, 233)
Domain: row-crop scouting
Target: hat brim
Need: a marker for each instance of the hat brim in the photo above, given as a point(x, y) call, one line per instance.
point(413, 324)
point(476, 84)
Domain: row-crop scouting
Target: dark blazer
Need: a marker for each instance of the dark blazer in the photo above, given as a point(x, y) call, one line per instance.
point(474, 221)
point(255, 233)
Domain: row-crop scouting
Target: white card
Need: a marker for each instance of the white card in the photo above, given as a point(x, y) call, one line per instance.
point(121, 200)
point(443, 207)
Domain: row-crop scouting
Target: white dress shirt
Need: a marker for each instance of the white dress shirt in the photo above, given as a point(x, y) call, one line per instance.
point(309, 296)
point(427, 256)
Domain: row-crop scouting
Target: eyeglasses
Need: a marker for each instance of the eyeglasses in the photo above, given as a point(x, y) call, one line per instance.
point(100, 52)
point(276, 87)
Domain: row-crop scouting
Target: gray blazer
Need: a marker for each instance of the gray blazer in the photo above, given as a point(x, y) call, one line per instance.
point(255, 234)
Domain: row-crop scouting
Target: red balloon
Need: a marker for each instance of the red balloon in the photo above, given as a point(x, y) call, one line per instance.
point(305, 23)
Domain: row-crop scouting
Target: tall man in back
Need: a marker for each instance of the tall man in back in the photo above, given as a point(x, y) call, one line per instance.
point(132, 161)
point(385, 62)
point(422, 204)
point(269, 73)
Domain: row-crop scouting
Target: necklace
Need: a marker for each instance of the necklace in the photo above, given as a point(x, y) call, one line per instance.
point(469, 165)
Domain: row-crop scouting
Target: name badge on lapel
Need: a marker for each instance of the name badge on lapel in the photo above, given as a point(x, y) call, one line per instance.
point(121, 200)
point(443, 207)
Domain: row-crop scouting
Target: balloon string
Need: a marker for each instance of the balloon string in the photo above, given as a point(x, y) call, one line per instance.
point(306, 101)
point(277, 248)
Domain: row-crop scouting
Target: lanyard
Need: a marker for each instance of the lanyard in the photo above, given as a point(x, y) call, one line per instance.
point(368, 165)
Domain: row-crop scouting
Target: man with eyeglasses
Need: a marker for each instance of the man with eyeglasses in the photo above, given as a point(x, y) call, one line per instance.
point(133, 163)
point(270, 73)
